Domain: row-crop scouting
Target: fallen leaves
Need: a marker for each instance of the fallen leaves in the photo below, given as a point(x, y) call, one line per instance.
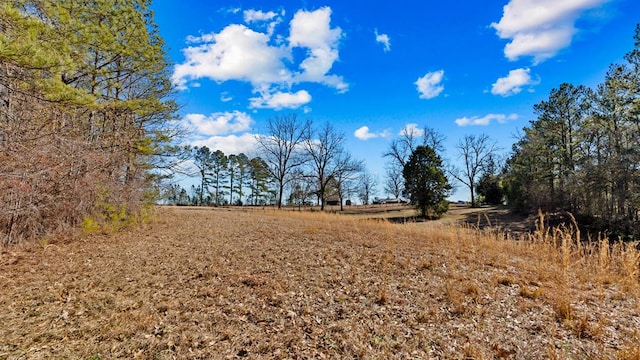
point(205, 283)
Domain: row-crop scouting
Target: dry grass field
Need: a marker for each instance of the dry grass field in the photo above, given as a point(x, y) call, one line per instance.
point(259, 284)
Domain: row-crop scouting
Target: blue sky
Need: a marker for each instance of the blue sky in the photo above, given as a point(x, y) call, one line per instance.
point(372, 68)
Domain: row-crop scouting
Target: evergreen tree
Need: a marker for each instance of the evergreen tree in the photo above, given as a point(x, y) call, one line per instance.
point(425, 182)
point(242, 169)
point(219, 175)
point(489, 185)
point(260, 177)
point(490, 188)
point(203, 160)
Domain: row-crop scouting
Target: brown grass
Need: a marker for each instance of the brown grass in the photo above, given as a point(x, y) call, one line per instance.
point(220, 283)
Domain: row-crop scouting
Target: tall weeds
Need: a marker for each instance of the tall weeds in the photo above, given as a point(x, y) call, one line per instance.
point(559, 253)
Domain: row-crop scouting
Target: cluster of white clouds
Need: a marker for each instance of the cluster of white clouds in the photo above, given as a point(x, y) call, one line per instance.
point(252, 52)
point(241, 53)
point(536, 28)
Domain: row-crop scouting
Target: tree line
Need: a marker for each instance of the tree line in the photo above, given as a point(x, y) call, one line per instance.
point(295, 158)
point(85, 114)
point(223, 180)
point(311, 164)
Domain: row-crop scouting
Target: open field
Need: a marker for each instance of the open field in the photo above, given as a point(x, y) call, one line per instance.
point(230, 283)
point(497, 217)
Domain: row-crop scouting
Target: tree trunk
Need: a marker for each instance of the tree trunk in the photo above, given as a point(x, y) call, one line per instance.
point(280, 191)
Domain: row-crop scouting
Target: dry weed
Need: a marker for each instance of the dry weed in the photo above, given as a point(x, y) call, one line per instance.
point(224, 283)
point(532, 293)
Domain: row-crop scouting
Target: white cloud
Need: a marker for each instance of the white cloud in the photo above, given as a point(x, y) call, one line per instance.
point(363, 133)
point(280, 100)
point(258, 15)
point(485, 120)
point(231, 144)
point(312, 30)
point(241, 53)
point(225, 97)
point(540, 28)
point(236, 53)
point(384, 40)
point(429, 85)
point(513, 83)
point(411, 129)
point(219, 123)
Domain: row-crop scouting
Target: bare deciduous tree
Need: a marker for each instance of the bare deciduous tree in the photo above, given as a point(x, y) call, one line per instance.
point(325, 150)
point(474, 152)
point(281, 148)
point(367, 183)
point(394, 181)
point(345, 171)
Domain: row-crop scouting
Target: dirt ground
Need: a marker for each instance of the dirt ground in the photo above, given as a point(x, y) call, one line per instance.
point(235, 283)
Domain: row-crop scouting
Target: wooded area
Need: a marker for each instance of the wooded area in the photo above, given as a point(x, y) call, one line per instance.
point(85, 114)
point(582, 153)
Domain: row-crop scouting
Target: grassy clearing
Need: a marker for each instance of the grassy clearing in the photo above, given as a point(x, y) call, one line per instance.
point(220, 283)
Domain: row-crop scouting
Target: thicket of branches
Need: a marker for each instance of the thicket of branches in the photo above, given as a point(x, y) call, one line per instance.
point(84, 114)
point(582, 153)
